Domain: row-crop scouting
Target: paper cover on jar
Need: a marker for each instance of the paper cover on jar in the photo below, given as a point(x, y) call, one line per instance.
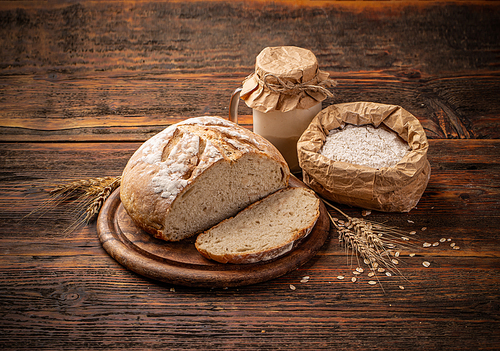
point(285, 78)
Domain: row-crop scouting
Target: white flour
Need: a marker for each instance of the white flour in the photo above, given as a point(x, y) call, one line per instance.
point(365, 146)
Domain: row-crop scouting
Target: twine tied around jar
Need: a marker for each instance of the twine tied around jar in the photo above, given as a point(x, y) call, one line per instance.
point(289, 88)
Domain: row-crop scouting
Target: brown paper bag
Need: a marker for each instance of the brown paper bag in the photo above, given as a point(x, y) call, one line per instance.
point(388, 189)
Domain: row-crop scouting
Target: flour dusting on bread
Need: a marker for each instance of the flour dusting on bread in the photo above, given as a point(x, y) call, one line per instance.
point(196, 173)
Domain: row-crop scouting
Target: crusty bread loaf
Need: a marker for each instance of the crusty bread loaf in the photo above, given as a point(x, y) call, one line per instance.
point(197, 173)
point(264, 230)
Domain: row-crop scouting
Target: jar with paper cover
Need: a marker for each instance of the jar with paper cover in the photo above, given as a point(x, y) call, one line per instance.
point(285, 92)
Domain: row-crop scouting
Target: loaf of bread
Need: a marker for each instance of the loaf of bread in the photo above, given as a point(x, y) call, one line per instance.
point(264, 230)
point(196, 173)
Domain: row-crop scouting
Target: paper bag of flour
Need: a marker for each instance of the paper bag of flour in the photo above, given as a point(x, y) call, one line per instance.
point(390, 189)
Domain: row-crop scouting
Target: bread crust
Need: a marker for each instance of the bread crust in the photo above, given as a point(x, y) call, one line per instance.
point(167, 166)
point(265, 255)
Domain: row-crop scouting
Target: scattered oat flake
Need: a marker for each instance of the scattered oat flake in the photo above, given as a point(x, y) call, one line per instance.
point(424, 229)
point(401, 287)
point(427, 245)
point(456, 247)
point(388, 274)
point(360, 270)
point(448, 239)
point(381, 270)
point(394, 261)
point(452, 244)
point(356, 273)
point(442, 240)
point(371, 274)
point(411, 255)
point(292, 287)
point(353, 279)
point(410, 221)
point(435, 244)
point(340, 277)
point(405, 238)
point(366, 261)
point(372, 282)
point(426, 264)
point(413, 232)
point(396, 254)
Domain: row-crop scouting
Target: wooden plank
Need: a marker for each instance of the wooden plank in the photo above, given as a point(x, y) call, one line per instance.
point(92, 79)
point(128, 115)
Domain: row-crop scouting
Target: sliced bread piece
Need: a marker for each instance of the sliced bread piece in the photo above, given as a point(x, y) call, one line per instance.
point(264, 230)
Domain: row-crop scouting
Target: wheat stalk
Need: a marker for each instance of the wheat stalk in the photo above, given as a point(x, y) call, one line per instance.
point(82, 199)
point(373, 243)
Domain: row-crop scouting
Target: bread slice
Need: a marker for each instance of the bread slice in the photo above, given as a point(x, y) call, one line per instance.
point(264, 230)
point(197, 173)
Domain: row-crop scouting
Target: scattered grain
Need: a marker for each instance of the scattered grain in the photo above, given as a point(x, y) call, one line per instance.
point(356, 273)
point(394, 261)
point(426, 264)
point(424, 229)
point(442, 240)
point(381, 270)
point(359, 269)
point(388, 274)
point(452, 244)
point(371, 274)
point(340, 277)
point(448, 239)
point(353, 279)
point(396, 254)
point(401, 287)
point(411, 255)
point(292, 287)
point(365, 213)
point(436, 243)
point(456, 247)
point(410, 221)
point(405, 238)
point(372, 282)
point(413, 232)
point(427, 245)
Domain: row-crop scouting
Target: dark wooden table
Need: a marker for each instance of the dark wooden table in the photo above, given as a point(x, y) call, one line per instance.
point(83, 84)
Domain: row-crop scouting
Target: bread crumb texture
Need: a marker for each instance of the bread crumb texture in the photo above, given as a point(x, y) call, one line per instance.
point(263, 231)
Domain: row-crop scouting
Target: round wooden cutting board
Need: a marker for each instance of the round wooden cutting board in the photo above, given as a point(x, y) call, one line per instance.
point(180, 263)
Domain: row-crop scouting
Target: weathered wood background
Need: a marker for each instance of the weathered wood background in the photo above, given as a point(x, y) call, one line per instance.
point(82, 84)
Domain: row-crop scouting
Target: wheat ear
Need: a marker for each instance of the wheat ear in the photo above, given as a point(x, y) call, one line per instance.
point(82, 199)
point(371, 242)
